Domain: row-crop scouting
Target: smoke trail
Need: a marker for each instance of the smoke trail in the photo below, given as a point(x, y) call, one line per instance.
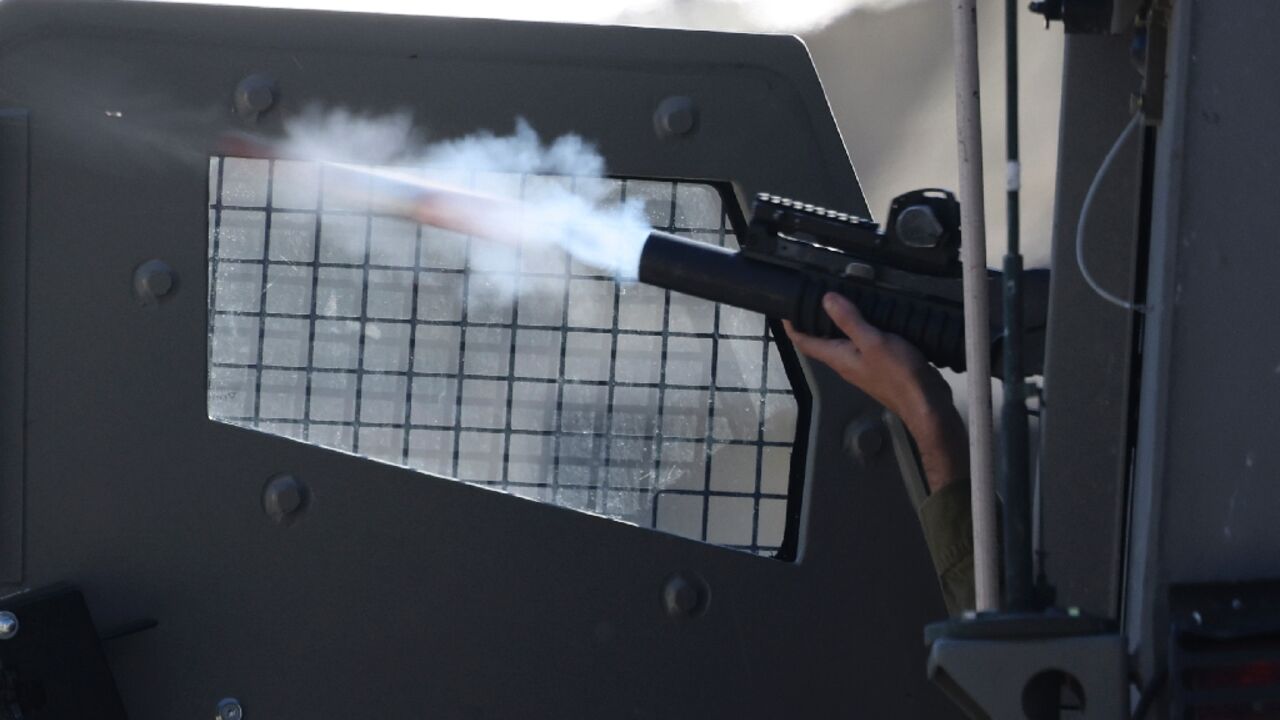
point(554, 197)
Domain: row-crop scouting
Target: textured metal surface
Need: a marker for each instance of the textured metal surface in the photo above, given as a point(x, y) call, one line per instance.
point(1205, 496)
point(455, 601)
point(1084, 454)
point(1217, 516)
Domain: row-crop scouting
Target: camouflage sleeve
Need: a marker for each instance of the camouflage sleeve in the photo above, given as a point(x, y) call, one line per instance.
point(947, 519)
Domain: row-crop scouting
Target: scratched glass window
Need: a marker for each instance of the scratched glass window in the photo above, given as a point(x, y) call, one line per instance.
point(394, 341)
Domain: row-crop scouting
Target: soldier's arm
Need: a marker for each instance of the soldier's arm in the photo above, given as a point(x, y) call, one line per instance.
point(895, 374)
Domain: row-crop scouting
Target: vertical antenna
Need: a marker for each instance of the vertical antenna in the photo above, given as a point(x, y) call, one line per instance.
point(977, 332)
point(1019, 595)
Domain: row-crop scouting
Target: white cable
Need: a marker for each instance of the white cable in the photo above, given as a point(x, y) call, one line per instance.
point(1134, 124)
point(977, 332)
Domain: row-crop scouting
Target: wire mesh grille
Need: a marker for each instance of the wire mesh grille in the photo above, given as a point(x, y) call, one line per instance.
point(530, 373)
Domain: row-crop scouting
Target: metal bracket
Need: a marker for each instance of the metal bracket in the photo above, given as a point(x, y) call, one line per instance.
point(1019, 666)
point(51, 663)
point(908, 460)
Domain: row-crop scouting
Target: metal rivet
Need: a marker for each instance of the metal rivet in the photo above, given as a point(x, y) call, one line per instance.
point(676, 115)
point(864, 440)
point(685, 596)
point(283, 498)
point(229, 709)
point(8, 625)
point(255, 95)
point(153, 280)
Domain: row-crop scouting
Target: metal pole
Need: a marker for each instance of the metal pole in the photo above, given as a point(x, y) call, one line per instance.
point(1019, 594)
point(977, 333)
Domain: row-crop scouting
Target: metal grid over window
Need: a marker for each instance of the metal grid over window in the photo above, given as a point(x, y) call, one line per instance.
point(530, 373)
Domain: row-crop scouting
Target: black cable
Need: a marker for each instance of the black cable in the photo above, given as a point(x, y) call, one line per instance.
point(1019, 594)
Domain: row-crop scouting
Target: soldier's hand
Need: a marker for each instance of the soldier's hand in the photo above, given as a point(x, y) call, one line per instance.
point(896, 375)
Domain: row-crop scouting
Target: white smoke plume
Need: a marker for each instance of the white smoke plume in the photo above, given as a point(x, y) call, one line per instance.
point(732, 15)
point(552, 197)
point(798, 16)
